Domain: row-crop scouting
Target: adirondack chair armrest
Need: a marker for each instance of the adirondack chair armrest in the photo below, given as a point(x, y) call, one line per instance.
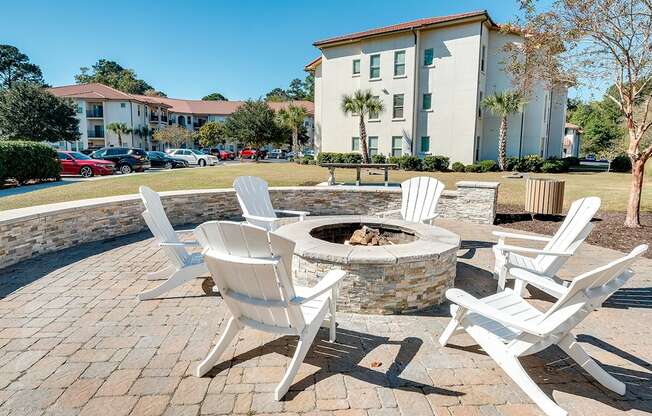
point(542, 282)
point(329, 281)
point(256, 261)
point(428, 220)
point(259, 218)
point(527, 250)
point(385, 213)
point(290, 212)
point(476, 305)
point(180, 244)
point(504, 234)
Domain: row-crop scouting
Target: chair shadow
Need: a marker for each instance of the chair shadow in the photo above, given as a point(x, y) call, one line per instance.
point(471, 246)
point(552, 370)
point(630, 297)
point(343, 357)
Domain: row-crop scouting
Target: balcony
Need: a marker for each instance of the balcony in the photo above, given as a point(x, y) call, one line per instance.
point(96, 134)
point(95, 113)
point(155, 118)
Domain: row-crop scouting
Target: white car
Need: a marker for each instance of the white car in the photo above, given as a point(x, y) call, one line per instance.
point(194, 157)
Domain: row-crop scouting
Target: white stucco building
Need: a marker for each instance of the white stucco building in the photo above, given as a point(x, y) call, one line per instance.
point(431, 74)
point(572, 137)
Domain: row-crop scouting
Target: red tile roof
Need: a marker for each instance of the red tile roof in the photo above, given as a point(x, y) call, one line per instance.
point(414, 24)
point(102, 92)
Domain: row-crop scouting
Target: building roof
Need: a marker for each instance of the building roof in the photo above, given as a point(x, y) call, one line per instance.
point(310, 66)
point(406, 26)
point(573, 126)
point(102, 92)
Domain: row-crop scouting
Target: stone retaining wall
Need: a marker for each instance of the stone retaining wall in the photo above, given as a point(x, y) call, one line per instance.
point(29, 232)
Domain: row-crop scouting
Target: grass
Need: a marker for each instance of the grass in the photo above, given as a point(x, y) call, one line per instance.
point(613, 188)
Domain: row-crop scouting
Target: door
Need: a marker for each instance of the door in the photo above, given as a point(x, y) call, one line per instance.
point(67, 163)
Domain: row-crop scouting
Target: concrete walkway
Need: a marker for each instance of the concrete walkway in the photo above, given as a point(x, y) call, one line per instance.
point(74, 340)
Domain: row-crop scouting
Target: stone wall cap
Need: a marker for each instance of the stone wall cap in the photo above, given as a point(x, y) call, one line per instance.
point(477, 184)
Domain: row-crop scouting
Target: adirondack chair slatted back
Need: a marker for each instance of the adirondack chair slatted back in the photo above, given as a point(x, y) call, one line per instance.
point(158, 223)
point(572, 232)
point(419, 198)
point(586, 293)
point(252, 269)
point(253, 196)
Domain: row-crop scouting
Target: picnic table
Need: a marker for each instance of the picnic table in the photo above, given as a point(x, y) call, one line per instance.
point(358, 167)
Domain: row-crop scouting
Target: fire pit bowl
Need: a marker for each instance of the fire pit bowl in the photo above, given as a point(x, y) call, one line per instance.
point(410, 272)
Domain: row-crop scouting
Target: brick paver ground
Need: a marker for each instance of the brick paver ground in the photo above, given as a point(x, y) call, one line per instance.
point(74, 340)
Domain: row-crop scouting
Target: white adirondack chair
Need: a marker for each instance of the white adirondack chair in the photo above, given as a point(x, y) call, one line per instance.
point(253, 271)
point(559, 248)
point(507, 327)
point(183, 266)
point(419, 199)
point(257, 209)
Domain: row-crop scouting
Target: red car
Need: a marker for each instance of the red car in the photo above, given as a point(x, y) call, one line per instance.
point(77, 163)
point(226, 155)
point(249, 153)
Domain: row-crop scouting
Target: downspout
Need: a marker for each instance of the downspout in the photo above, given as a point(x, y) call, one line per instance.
point(415, 89)
point(520, 142)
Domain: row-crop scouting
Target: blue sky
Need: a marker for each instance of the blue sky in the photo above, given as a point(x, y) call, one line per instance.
point(189, 49)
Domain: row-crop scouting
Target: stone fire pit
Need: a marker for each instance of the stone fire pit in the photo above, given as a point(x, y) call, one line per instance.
point(410, 274)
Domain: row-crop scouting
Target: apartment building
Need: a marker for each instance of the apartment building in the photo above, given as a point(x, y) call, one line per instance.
point(431, 75)
point(99, 105)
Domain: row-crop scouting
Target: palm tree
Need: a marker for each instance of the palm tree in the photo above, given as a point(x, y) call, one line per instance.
point(292, 118)
point(146, 133)
point(119, 129)
point(502, 104)
point(362, 103)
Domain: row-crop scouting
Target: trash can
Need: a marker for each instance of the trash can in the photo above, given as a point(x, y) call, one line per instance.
point(544, 196)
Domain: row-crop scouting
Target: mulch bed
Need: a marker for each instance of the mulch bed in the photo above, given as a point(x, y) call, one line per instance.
point(608, 230)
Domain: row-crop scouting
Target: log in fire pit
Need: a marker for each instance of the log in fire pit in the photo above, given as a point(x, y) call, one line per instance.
point(408, 267)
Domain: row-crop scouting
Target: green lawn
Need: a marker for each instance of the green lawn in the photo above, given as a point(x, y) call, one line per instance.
point(613, 188)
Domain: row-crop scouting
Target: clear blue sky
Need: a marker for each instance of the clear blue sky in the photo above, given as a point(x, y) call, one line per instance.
point(189, 49)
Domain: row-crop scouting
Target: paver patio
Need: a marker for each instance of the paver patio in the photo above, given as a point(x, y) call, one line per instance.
point(74, 340)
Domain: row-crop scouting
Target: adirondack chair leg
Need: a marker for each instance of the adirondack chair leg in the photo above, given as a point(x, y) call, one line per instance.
point(162, 274)
point(332, 303)
point(519, 287)
point(232, 328)
point(177, 279)
point(305, 340)
point(500, 269)
point(574, 350)
point(453, 325)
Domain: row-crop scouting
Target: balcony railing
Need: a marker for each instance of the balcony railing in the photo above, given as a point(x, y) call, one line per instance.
point(96, 134)
point(95, 113)
point(154, 117)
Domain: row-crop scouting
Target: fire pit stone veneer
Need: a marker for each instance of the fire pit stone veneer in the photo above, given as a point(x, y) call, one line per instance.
point(410, 275)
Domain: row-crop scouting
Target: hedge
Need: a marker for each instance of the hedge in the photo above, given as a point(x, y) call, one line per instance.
point(458, 167)
point(435, 163)
point(621, 163)
point(332, 157)
point(378, 159)
point(24, 161)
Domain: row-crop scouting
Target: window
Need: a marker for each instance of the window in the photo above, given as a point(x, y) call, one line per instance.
point(399, 63)
point(123, 105)
point(138, 110)
point(480, 106)
point(397, 145)
point(355, 144)
point(373, 145)
point(398, 106)
point(425, 144)
point(374, 115)
point(428, 57)
point(79, 109)
point(427, 101)
point(356, 67)
point(63, 156)
point(374, 67)
point(477, 148)
point(482, 57)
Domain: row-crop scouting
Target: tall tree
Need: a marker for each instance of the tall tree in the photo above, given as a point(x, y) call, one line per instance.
point(212, 133)
point(503, 104)
point(309, 87)
point(145, 133)
point(174, 135)
point(276, 95)
point(361, 103)
point(114, 75)
point(254, 124)
point(119, 129)
point(292, 118)
point(215, 96)
point(28, 112)
point(595, 42)
point(154, 93)
point(15, 67)
point(296, 91)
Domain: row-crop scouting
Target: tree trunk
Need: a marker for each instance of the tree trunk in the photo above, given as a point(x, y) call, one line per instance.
point(119, 140)
point(632, 220)
point(295, 140)
point(502, 144)
point(363, 141)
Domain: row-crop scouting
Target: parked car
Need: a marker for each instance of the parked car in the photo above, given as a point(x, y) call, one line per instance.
point(220, 153)
point(77, 163)
point(249, 153)
point(162, 160)
point(277, 154)
point(590, 156)
point(193, 157)
point(126, 159)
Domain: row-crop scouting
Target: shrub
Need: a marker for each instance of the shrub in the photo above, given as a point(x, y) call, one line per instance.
point(351, 158)
point(572, 160)
point(395, 160)
point(512, 163)
point(621, 163)
point(488, 166)
point(378, 159)
point(531, 163)
point(409, 162)
point(458, 167)
point(305, 160)
point(24, 161)
point(472, 168)
point(435, 163)
point(333, 157)
point(555, 166)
